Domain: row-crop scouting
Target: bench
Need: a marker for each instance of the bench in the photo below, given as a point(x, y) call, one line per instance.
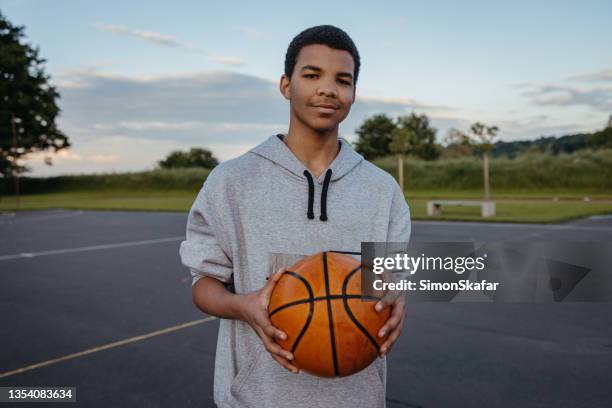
point(487, 207)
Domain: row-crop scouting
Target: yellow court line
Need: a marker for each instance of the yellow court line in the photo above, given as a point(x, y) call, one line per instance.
point(106, 346)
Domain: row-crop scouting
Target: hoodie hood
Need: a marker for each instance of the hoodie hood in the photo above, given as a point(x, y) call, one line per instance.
point(275, 150)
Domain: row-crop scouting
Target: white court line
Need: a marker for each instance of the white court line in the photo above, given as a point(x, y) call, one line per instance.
point(89, 248)
point(509, 225)
point(106, 346)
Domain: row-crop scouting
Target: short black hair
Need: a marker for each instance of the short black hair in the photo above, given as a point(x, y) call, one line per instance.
point(328, 35)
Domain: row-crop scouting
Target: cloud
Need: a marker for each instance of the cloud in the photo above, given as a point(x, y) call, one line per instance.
point(225, 60)
point(529, 127)
point(601, 76)
point(182, 103)
point(169, 41)
point(562, 94)
point(599, 98)
point(151, 36)
point(210, 126)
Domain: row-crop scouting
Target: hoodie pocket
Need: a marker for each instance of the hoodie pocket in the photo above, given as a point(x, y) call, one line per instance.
point(244, 374)
point(263, 383)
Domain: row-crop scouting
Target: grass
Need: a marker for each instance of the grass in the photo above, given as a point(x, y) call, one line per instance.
point(516, 210)
point(139, 201)
point(514, 194)
point(529, 208)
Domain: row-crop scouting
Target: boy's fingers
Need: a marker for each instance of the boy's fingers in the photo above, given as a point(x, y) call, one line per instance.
point(391, 298)
point(285, 364)
point(275, 333)
point(381, 304)
point(266, 324)
point(275, 349)
point(276, 276)
point(397, 316)
point(386, 347)
point(271, 281)
point(393, 336)
point(281, 335)
point(269, 330)
point(390, 325)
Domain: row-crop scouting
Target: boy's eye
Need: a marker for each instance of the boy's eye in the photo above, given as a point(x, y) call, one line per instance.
point(310, 75)
point(345, 82)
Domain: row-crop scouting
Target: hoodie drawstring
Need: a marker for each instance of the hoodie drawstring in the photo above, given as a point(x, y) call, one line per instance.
point(328, 175)
point(326, 181)
point(310, 195)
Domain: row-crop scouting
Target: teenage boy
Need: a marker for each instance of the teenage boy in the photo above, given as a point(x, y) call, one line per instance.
point(264, 202)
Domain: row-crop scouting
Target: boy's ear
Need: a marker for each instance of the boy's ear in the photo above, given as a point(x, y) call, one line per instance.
point(284, 86)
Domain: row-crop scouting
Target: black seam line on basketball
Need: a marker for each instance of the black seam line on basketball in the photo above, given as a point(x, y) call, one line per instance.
point(310, 309)
point(319, 298)
point(330, 316)
point(349, 312)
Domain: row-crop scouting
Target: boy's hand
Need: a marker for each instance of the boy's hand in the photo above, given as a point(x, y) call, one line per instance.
point(395, 322)
point(254, 311)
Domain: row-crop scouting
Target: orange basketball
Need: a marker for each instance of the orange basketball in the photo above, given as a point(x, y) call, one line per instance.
point(330, 330)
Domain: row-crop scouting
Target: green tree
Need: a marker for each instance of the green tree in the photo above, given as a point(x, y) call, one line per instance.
point(423, 141)
point(402, 140)
point(28, 108)
point(374, 136)
point(413, 136)
point(457, 145)
point(601, 139)
point(195, 157)
point(481, 136)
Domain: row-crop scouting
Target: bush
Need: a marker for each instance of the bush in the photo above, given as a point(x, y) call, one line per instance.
point(582, 169)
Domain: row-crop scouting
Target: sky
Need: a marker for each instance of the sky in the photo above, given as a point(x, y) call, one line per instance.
point(141, 79)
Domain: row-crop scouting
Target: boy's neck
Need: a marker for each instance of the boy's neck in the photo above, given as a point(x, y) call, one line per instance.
point(315, 150)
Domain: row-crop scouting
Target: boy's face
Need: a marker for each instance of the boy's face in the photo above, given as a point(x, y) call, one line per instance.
point(321, 89)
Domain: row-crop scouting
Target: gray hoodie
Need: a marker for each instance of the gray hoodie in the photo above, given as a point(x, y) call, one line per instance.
point(266, 202)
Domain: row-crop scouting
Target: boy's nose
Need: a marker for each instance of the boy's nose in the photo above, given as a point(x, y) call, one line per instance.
point(327, 90)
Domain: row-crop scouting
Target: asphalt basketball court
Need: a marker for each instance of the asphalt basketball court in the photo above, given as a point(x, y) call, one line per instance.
point(100, 301)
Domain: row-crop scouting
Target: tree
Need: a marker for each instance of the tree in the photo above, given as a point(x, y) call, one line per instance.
point(422, 140)
point(401, 145)
point(374, 136)
point(28, 110)
point(423, 135)
point(481, 136)
point(456, 145)
point(601, 139)
point(196, 157)
point(412, 135)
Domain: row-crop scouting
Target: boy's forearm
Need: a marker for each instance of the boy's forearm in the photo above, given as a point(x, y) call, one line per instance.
point(212, 297)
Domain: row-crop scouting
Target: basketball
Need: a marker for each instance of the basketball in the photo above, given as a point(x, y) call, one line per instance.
point(330, 330)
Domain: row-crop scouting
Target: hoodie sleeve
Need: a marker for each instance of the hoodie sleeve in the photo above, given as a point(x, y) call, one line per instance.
point(399, 218)
point(202, 251)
